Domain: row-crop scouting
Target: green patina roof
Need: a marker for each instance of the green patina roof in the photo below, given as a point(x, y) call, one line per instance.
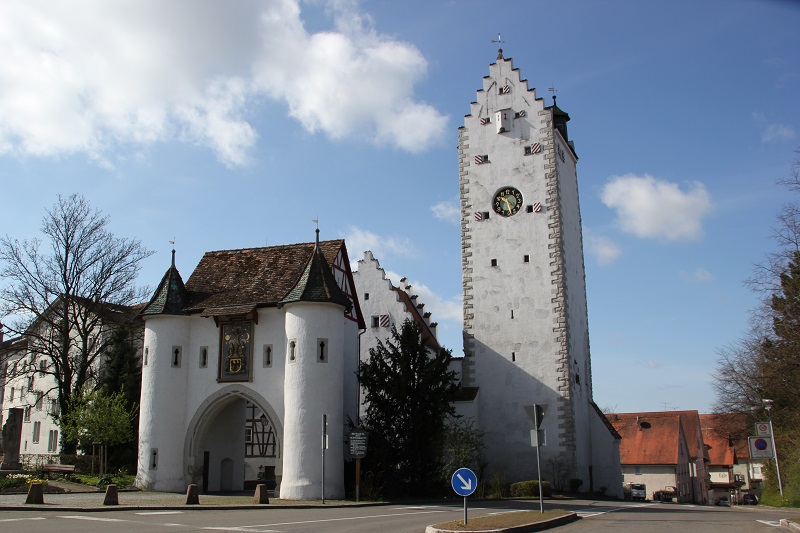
point(170, 297)
point(317, 284)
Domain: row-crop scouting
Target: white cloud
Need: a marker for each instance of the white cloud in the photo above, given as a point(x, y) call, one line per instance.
point(445, 311)
point(699, 275)
point(773, 131)
point(604, 250)
point(651, 208)
point(360, 240)
point(448, 211)
point(91, 77)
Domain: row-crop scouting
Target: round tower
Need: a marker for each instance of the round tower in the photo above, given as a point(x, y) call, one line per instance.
point(313, 392)
point(164, 387)
point(314, 384)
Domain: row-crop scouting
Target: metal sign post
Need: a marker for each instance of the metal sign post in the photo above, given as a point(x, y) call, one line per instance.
point(464, 482)
point(324, 445)
point(536, 413)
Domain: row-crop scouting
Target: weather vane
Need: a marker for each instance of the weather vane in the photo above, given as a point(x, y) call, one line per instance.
point(554, 91)
point(498, 40)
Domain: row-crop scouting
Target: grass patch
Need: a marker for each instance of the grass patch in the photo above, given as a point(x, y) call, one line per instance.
point(497, 521)
point(101, 481)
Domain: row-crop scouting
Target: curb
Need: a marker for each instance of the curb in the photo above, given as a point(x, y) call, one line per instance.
point(791, 526)
point(201, 507)
point(525, 528)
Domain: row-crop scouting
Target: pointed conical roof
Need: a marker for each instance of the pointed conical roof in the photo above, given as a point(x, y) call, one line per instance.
point(316, 283)
point(170, 297)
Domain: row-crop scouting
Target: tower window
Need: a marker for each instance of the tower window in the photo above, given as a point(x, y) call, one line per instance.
point(203, 356)
point(153, 458)
point(512, 314)
point(526, 259)
point(481, 159)
point(322, 345)
point(494, 262)
point(176, 356)
point(513, 356)
point(267, 355)
point(146, 354)
point(292, 347)
point(374, 321)
point(366, 296)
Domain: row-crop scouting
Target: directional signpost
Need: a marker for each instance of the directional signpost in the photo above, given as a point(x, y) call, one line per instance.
point(536, 413)
point(464, 482)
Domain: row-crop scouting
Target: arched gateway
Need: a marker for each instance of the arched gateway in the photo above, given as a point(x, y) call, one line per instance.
point(240, 366)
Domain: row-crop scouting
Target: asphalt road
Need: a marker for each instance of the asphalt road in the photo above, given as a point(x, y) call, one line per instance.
point(596, 516)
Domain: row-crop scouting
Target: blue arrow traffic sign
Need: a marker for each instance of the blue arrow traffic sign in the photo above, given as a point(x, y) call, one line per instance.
point(464, 482)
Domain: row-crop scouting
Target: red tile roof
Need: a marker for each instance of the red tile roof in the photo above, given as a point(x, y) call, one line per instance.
point(648, 438)
point(717, 437)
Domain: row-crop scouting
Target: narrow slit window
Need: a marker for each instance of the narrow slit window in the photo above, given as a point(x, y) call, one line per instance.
point(267, 355)
point(494, 262)
point(513, 356)
point(292, 347)
point(204, 357)
point(322, 345)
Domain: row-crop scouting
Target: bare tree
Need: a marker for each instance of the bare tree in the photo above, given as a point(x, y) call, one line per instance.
point(63, 296)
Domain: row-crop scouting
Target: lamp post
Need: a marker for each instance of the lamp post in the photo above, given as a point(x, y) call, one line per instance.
point(768, 409)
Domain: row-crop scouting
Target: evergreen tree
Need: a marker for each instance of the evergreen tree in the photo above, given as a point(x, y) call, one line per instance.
point(408, 395)
point(122, 373)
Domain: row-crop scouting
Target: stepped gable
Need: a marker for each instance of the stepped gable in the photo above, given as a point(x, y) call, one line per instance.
point(252, 277)
point(170, 297)
point(415, 310)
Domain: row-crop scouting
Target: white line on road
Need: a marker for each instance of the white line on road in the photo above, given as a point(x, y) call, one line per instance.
point(772, 523)
point(343, 519)
point(589, 513)
point(20, 519)
point(95, 518)
point(147, 513)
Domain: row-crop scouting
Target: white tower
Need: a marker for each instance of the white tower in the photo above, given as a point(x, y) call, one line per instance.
point(526, 334)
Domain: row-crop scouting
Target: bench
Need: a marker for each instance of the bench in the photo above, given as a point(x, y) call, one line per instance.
point(58, 469)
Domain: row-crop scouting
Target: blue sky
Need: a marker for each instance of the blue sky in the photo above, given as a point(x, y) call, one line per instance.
point(234, 124)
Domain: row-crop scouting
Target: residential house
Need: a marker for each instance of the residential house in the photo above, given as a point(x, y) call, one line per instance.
point(654, 451)
point(29, 374)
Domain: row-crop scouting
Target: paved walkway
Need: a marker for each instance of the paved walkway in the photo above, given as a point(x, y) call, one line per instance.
point(82, 497)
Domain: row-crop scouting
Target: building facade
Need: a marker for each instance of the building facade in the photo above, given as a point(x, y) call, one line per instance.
point(526, 334)
point(28, 374)
point(247, 368)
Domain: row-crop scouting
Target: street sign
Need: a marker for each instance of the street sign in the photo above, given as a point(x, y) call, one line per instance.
point(538, 438)
point(761, 447)
point(536, 413)
point(464, 482)
point(358, 443)
point(762, 429)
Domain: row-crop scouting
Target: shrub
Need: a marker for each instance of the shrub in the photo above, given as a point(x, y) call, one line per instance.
point(575, 485)
point(529, 489)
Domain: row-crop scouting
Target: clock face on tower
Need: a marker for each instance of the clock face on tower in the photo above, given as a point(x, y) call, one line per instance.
point(507, 201)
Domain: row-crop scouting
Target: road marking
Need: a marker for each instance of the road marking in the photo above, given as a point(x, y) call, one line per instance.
point(243, 529)
point(772, 523)
point(159, 512)
point(597, 511)
point(21, 519)
point(342, 519)
point(95, 518)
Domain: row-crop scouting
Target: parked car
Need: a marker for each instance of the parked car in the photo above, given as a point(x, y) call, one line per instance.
point(725, 502)
point(638, 491)
point(749, 499)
